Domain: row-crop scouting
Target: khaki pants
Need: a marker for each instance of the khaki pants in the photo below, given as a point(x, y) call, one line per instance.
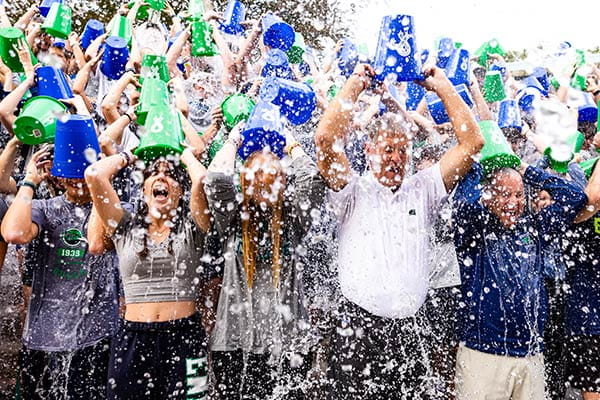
point(482, 376)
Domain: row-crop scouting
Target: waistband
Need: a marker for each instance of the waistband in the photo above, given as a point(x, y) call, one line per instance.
point(193, 321)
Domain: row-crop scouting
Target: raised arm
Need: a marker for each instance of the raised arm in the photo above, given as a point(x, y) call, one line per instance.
point(112, 136)
point(334, 126)
point(98, 177)
point(18, 226)
point(457, 161)
point(198, 202)
point(592, 191)
point(10, 102)
point(110, 104)
point(7, 162)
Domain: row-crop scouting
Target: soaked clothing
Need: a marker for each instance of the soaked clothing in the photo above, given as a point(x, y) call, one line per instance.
point(159, 361)
point(75, 295)
point(75, 375)
point(583, 362)
point(384, 241)
point(264, 318)
point(378, 358)
point(502, 269)
point(170, 271)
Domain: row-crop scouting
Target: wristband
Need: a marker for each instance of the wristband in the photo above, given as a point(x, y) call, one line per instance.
point(126, 157)
point(292, 147)
point(29, 184)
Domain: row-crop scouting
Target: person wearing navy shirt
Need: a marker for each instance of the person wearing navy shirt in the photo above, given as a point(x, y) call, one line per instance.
point(500, 250)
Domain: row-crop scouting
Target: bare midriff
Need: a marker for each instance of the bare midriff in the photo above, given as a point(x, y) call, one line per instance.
point(159, 312)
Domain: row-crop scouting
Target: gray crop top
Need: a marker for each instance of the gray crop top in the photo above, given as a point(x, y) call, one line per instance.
point(161, 275)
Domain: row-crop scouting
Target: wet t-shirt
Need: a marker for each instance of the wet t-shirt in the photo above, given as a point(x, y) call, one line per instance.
point(75, 295)
point(582, 256)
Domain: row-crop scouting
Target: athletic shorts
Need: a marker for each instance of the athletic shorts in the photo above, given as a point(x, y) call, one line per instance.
point(73, 375)
point(159, 360)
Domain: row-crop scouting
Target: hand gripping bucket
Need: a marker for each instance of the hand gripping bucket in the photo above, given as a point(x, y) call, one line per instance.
point(51, 81)
point(496, 153)
point(445, 51)
point(163, 134)
point(114, 58)
point(296, 52)
point(93, 29)
point(236, 108)
point(233, 16)
point(155, 93)
point(493, 87)
point(561, 153)
point(37, 122)
point(297, 101)
point(436, 106)
point(58, 21)
point(458, 67)
point(75, 146)
point(154, 67)
point(203, 44)
point(276, 64)
point(276, 33)
point(264, 128)
point(347, 57)
point(397, 52)
point(509, 115)
point(9, 38)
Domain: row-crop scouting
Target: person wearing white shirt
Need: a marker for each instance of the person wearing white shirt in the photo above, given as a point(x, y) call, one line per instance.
point(385, 222)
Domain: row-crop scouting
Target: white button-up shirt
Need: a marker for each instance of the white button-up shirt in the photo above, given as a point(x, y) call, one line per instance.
point(384, 241)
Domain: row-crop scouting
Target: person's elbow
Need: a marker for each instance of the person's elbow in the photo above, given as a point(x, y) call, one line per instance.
point(96, 246)
point(14, 234)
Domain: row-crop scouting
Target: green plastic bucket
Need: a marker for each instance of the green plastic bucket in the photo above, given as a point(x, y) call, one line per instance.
point(163, 134)
point(37, 122)
point(154, 93)
point(154, 67)
point(496, 153)
point(236, 108)
point(58, 21)
point(9, 39)
point(203, 44)
point(561, 155)
point(493, 88)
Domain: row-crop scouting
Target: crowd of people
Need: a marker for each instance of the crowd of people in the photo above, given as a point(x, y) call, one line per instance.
point(346, 230)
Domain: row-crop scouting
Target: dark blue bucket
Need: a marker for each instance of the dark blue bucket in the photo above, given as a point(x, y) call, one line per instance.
point(297, 101)
point(264, 128)
point(93, 29)
point(52, 82)
point(115, 57)
point(75, 146)
point(276, 33)
point(277, 64)
point(233, 16)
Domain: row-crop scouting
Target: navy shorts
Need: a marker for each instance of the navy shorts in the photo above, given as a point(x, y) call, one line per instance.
point(159, 360)
point(74, 375)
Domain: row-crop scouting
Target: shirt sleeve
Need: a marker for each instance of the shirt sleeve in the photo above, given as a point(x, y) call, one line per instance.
point(122, 230)
point(468, 214)
point(431, 182)
point(309, 190)
point(222, 203)
point(343, 200)
point(38, 214)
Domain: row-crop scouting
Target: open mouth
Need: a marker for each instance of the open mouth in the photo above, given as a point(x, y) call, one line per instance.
point(160, 191)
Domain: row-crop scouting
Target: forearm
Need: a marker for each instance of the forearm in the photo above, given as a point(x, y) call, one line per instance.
point(10, 103)
point(483, 110)
point(175, 51)
point(567, 197)
point(26, 18)
point(79, 56)
point(463, 121)
point(17, 226)
point(249, 44)
point(82, 79)
point(111, 101)
point(113, 135)
point(7, 161)
point(4, 21)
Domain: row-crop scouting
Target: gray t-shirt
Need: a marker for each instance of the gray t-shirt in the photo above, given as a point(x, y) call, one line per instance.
point(75, 295)
point(154, 273)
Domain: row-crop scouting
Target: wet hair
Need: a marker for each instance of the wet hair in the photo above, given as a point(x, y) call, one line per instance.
point(249, 225)
point(490, 180)
point(390, 122)
point(588, 129)
point(141, 218)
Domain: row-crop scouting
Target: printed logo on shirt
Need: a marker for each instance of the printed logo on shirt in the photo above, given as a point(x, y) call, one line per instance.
point(72, 237)
point(597, 225)
point(525, 239)
point(196, 378)
point(412, 211)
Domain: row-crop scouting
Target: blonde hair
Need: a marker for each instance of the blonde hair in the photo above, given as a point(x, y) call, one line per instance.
point(249, 224)
point(390, 122)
